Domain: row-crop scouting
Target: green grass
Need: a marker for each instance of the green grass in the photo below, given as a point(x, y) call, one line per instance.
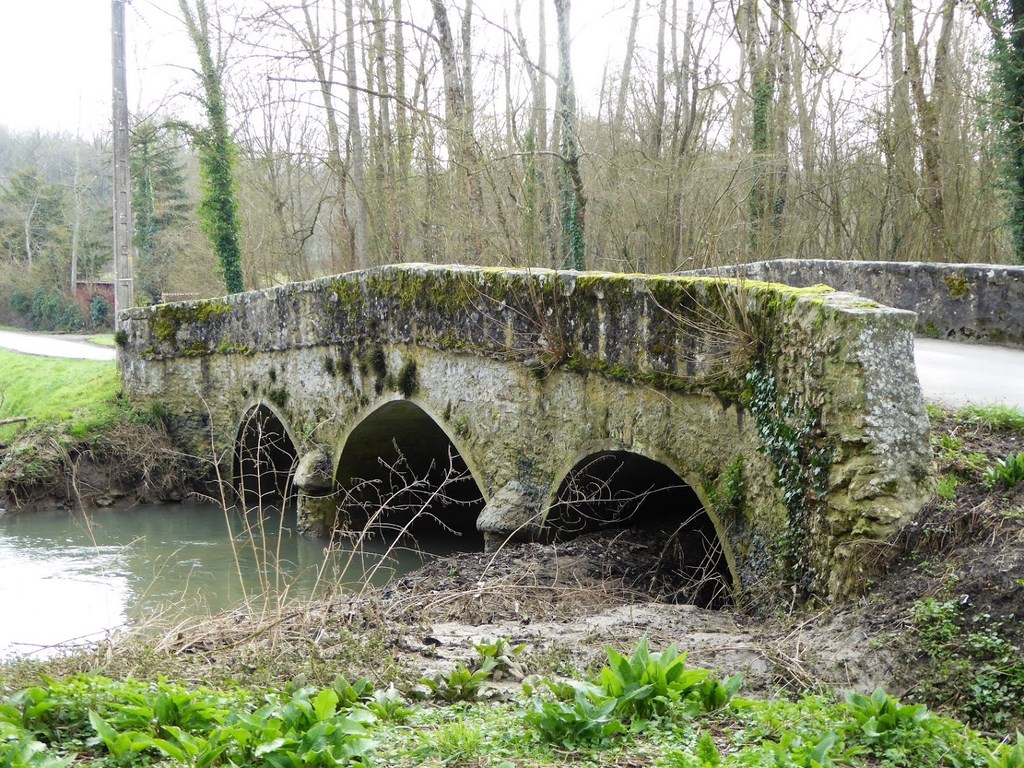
point(78, 396)
point(1000, 417)
point(102, 340)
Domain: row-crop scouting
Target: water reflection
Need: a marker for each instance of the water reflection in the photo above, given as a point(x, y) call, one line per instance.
point(67, 577)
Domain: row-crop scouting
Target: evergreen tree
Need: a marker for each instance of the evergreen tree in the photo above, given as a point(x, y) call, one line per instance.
point(159, 204)
point(34, 210)
point(1006, 19)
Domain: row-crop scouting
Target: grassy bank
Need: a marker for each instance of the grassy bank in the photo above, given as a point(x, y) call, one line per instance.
point(71, 439)
point(77, 397)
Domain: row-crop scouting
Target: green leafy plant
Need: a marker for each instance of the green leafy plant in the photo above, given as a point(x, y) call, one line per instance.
point(881, 718)
point(350, 694)
point(1008, 756)
point(1007, 472)
point(790, 435)
point(124, 746)
point(505, 656)
point(629, 691)
point(18, 749)
point(388, 705)
point(975, 667)
point(461, 684)
point(712, 694)
point(454, 742)
point(949, 451)
point(947, 486)
point(647, 684)
point(584, 717)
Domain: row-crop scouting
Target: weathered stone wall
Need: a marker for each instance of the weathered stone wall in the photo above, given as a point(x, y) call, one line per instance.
point(965, 302)
point(530, 371)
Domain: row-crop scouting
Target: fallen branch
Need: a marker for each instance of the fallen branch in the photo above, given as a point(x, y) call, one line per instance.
point(14, 420)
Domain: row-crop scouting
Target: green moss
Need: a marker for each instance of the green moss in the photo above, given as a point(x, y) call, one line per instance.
point(273, 374)
point(344, 295)
point(120, 337)
point(407, 382)
point(957, 285)
point(278, 396)
point(167, 319)
point(228, 348)
point(194, 349)
point(729, 493)
point(378, 363)
point(329, 366)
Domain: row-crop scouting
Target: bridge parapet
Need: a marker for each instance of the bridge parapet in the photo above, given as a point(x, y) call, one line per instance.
point(965, 302)
point(811, 393)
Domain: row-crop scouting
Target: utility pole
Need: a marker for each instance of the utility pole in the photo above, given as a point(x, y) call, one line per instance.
point(124, 291)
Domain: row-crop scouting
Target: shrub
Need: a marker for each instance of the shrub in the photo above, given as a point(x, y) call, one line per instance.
point(100, 312)
point(48, 309)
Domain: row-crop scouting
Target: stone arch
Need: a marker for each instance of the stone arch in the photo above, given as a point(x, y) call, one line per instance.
point(265, 457)
point(400, 472)
point(613, 487)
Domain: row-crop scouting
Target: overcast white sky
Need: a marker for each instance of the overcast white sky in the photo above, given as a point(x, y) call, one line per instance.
point(55, 55)
point(56, 71)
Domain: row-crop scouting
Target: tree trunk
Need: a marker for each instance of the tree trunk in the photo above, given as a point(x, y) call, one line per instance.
point(218, 209)
point(458, 119)
point(356, 201)
point(928, 122)
point(572, 201)
point(324, 70)
point(627, 69)
point(657, 130)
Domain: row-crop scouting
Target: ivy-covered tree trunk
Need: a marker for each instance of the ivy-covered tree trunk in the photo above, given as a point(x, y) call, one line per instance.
point(218, 209)
point(572, 203)
point(1006, 19)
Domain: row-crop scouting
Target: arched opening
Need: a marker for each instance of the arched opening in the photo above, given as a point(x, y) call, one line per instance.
point(265, 459)
point(620, 490)
point(402, 478)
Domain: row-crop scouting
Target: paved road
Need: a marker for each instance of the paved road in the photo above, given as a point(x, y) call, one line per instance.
point(955, 374)
point(53, 346)
point(952, 374)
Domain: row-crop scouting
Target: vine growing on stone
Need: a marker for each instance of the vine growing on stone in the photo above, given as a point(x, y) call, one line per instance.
point(791, 437)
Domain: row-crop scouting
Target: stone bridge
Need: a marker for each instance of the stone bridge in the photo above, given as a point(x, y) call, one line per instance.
point(778, 434)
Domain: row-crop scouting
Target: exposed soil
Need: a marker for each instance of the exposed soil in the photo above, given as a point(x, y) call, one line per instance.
point(133, 462)
point(567, 601)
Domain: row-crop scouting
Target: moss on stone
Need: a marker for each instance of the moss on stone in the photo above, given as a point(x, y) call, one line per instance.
point(957, 285)
point(229, 348)
point(407, 382)
point(194, 349)
point(167, 319)
point(378, 362)
point(278, 396)
point(729, 493)
point(344, 294)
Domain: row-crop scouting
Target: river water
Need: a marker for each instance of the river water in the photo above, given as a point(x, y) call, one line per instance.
point(71, 578)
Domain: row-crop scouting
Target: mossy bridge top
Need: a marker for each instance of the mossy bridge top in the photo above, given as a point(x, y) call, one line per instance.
point(775, 435)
